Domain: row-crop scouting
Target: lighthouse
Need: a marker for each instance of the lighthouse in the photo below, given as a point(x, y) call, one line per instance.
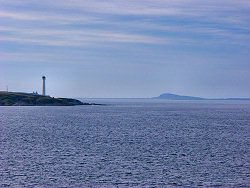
point(44, 78)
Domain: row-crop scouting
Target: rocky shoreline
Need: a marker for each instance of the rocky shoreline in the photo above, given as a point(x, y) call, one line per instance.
point(30, 99)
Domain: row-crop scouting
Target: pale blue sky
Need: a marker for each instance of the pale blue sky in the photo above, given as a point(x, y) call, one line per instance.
point(132, 48)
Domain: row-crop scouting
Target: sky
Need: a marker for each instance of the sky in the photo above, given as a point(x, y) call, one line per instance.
point(132, 48)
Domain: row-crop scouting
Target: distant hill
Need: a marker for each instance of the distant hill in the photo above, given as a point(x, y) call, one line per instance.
point(170, 96)
point(27, 99)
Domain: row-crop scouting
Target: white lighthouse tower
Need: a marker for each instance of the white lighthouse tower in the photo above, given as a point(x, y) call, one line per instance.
point(44, 78)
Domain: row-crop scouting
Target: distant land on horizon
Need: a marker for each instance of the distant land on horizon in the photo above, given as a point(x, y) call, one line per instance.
point(170, 96)
point(31, 99)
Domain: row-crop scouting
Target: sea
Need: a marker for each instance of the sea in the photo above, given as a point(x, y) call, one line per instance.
point(126, 143)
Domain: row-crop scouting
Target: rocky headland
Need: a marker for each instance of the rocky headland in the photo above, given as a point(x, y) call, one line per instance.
point(30, 99)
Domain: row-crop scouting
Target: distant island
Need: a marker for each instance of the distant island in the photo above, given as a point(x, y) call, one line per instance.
point(170, 96)
point(31, 99)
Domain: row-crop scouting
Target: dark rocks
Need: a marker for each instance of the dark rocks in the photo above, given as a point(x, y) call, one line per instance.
point(27, 99)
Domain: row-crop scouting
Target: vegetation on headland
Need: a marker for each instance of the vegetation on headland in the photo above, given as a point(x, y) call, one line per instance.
point(28, 99)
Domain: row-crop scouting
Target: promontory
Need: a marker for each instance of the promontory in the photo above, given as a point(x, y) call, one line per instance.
point(31, 99)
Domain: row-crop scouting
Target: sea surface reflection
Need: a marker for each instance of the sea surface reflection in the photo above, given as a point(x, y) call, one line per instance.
point(128, 143)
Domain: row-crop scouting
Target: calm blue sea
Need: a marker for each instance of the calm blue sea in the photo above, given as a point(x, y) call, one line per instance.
point(127, 143)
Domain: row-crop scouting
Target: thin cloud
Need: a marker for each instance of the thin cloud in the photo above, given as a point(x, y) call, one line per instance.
point(206, 9)
point(62, 22)
point(56, 37)
point(48, 17)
